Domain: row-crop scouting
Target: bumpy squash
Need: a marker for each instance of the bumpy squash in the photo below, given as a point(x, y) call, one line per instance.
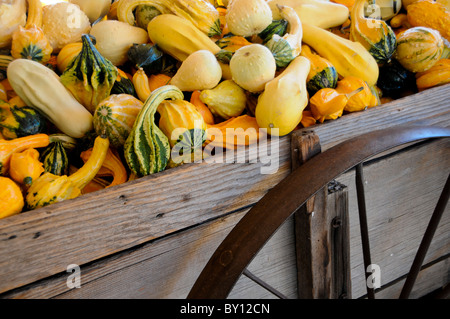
point(200, 71)
point(25, 167)
point(430, 14)
point(90, 77)
point(363, 99)
point(281, 104)
point(50, 188)
point(11, 198)
point(115, 116)
point(374, 34)
point(201, 13)
point(348, 57)
point(21, 122)
point(31, 43)
point(287, 47)
point(248, 17)
point(419, 48)
point(322, 73)
point(147, 149)
point(226, 100)
point(252, 66)
point(54, 158)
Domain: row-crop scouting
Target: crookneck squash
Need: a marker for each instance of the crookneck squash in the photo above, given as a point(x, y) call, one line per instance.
point(147, 149)
point(374, 34)
point(50, 188)
point(90, 77)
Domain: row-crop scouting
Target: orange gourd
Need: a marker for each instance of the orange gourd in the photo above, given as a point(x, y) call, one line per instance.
point(112, 166)
point(25, 167)
point(157, 80)
point(430, 14)
point(362, 100)
point(201, 107)
point(31, 43)
point(11, 198)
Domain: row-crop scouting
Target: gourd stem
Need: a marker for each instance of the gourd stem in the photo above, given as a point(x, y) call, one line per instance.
point(349, 95)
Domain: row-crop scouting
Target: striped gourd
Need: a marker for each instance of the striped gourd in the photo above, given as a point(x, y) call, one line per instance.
point(374, 34)
point(89, 77)
point(115, 116)
point(22, 121)
point(419, 48)
point(4, 61)
point(147, 149)
point(55, 159)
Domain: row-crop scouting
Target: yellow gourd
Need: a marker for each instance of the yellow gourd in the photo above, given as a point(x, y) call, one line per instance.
point(200, 71)
point(67, 54)
point(11, 198)
point(25, 167)
point(281, 104)
point(252, 66)
point(226, 100)
point(50, 188)
point(141, 84)
point(430, 14)
point(438, 74)
point(31, 43)
point(328, 103)
point(363, 99)
point(12, 15)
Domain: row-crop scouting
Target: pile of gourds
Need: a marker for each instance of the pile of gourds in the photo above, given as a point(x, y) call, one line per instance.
point(92, 96)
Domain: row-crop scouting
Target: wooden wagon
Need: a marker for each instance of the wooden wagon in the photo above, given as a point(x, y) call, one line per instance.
point(151, 237)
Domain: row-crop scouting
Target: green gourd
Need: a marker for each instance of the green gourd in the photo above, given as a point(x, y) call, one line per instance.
point(55, 160)
point(89, 77)
point(22, 121)
point(147, 149)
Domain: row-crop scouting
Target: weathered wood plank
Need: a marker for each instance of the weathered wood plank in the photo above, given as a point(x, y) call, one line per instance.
point(312, 241)
point(42, 243)
point(401, 194)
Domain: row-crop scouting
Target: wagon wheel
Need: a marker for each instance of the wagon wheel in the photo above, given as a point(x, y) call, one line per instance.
point(250, 234)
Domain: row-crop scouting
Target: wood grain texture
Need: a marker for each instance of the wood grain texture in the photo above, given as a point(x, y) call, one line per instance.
point(38, 244)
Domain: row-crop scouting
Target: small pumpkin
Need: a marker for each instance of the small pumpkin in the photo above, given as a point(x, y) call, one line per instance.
point(240, 22)
point(31, 43)
point(419, 48)
point(115, 116)
point(11, 198)
point(25, 167)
